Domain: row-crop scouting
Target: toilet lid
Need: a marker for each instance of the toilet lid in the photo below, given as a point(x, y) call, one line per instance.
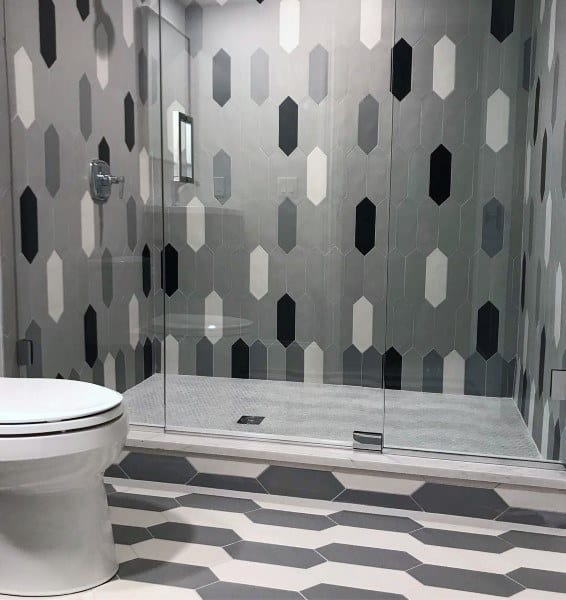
point(24, 401)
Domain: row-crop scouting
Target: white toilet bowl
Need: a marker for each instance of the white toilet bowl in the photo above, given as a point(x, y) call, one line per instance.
point(57, 437)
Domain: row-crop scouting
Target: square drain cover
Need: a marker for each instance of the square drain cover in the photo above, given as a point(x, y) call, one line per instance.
point(250, 420)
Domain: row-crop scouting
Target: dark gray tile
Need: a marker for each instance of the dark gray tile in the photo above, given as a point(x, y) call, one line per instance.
point(115, 471)
point(324, 591)
point(369, 557)
point(527, 516)
point(141, 501)
point(535, 541)
point(194, 534)
point(466, 581)
point(459, 539)
point(284, 518)
point(126, 534)
point(157, 467)
point(378, 499)
point(222, 590)
point(380, 522)
point(273, 554)
point(301, 483)
point(166, 573)
point(459, 500)
point(228, 482)
point(222, 503)
point(221, 77)
point(538, 579)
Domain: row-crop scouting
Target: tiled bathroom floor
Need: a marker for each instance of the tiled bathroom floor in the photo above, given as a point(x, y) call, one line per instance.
point(204, 544)
point(428, 421)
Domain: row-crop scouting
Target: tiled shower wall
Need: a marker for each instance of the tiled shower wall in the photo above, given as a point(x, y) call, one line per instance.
point(281, 246)
point(83, 84)
point(542, 344)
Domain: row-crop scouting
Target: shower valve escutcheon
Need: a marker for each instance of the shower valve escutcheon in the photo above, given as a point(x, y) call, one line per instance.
point(101, 181)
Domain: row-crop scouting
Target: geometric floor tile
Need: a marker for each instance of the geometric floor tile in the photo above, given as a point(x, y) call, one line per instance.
point(126, 534)
point(536, 579)
point(350, 518)
point(535, 541)
point(325, 591)
point(369, 557)
point(222, 503)
point(527, 516)
point(378, 499)
point(459, 539)
point(301, 558)
point(194, 534)
point(238, 591)
point(284, 518)
point(141, 501)
point(166, 573)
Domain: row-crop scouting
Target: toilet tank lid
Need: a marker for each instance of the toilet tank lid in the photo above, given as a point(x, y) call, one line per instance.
point(47, 400)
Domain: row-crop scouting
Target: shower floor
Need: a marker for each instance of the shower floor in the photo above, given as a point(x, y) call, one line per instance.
point(442, 422)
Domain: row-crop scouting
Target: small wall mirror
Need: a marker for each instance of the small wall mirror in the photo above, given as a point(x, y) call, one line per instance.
point(183, 145)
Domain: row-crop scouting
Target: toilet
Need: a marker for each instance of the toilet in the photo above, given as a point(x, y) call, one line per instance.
point(57, 437)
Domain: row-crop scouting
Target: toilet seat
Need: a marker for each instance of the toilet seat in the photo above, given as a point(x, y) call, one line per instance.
point(42, 406)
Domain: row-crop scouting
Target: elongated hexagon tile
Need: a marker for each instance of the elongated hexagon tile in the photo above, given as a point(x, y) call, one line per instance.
point(213, 317)
point(528, 161)
point(318, 73)
point(259, 272)
point(502, 18)
point(368, 124)
point(204, 357)
point(488, 330)
point(463, 540)
point(365, 226)
point(147, 502)
point(128, 21)
point(433, 366)
point(221, 77)
point(259, 76)
point(171, 355)
point(129, 122)
point(83, 6)
point(195, 224)
point(157, 467)
point(454, 372)
point(286, 518)
point(497, 122)
point(194, 26)
point(106, 266)
point(350, 518)
point(144, 175)
point(362, 324)
point(402, 65)
point(134, 320)
point(194, 534)
point(90, 336)
point(551, 34)
point(102, 47)
point(47, 32)
point(29, 225)
point(55, 289)
point(110, 372)
point(317, 175)
point(558, 305)
point(171, 264)
point(289, 24)
point(493, 222)
point(288, 125)
point(25, 96)
point(273, 554)
point(370, 22)
point(132, 223)
point(87, 224)
point(287, 225)
point(146, 270)
point(286, 309)
point(222, 175)
point(444, 67)
point(85, 107)
point(166, 573)
point(368, 557)
point(300, 483)
point(221, 503)
point(547, 228)
point(52, 166)
point(440, 177)
point(436, 277)
point(313, 364)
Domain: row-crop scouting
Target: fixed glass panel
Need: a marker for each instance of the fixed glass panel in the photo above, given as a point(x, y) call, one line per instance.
point(277, 250)
point(466, 94)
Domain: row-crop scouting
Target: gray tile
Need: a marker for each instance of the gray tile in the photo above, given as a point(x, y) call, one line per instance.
point(222, 503)
point(166, 573)
point(204, 357)
point(379, 522)
point(227, 482)
point(433, 367)
point(324, 591)
point(52, 166)
point(369, 557)
point(273, 554)
point(295, 362)
point(157, 467)
point(221, 77)
point(132, 223)
point(368, 124)
point(141, 501)
point(287, 225)
point(466, 581)
point(535, 541)
point(193, 25)
point(459, 539)
point(493, 224)
point(284, 518)
point(527, 516)
point(106, 264)
point(259, 76)
point(85, 107)
point(258, 361)
point(222, 174)
point(318, 73)
point(128, 535)
point(378, 499)
point(222, 590)
point(194, 534)
point(301, 483)
point(538, 579)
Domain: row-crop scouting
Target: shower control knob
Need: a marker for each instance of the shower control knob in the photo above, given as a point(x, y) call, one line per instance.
point(101, 181)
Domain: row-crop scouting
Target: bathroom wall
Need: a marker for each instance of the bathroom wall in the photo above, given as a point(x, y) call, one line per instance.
point(542, 340)
point(83, 82)
point(282, 243)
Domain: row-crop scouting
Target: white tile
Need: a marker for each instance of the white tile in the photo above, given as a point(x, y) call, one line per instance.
point(362, 324)
point(110, 372)
point(171, 355)
point(128, 21)
point(87, 224)
point(259, 272)
point(436, 275)
point(536, 499)
point(289, 24)
point(444, 67)
point(314, 363)
point(181, 552)
point(221, 466)
point(547, 228)
point(121, 589)
point(378, 483)
point(144, 175)
point(213, 317)
point(55, 294)
point(558, 304)
point(124, 553)
point(102, 52)
point(25, 96)
point(532, 400)
point(551, 34)
point(454, 373)
point(497, 122)
point(541, 10)
point(317, 175)
point(195, 224)
point(370, 22)
point(525, 337)
point(134, 321)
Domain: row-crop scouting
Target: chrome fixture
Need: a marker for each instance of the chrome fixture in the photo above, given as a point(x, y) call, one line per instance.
point(101, 181)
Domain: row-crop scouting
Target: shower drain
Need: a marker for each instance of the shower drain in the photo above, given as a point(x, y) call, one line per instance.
point(250, 420)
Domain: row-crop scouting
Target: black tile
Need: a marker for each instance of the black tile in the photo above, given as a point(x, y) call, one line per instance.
point(221, 503)
point(523, 280)
point(146, 270)
point(166, 573)
point(47, 32)
point(171, 269)
point(300, 483)
point(541, 361)
point(115, 471)
point(392, 369)
point(128, 535)
point(147, 358)
point(129, 122)
point(83, 6)
point(543, 166)
point(240, 360)
point(288, 125)
point(365, 226)
point(90, 336)
point(440, 178)
point(487, 330)
point(527, 516)
point(227, 482)
point(120, 366)
point(459, 500)
point(402, 67)
point(28, 224)
point(378, 499)
point(539, 579)
point(287, 518)
point(104, 150)
point(350, 518)
point(502, 18)
point(535, 541)
point(157, 467)
point(286, 320)
point(536, 110)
